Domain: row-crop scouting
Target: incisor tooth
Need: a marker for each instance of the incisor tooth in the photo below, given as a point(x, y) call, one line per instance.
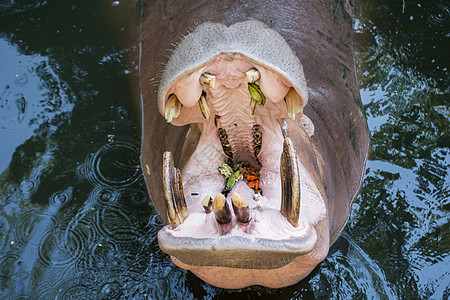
point(241, 209)
point(221, 210)
point(172, 108)
point(253, 75)
point(290, 183)
point(293, 103)
point(208, 80)
point(204, 108)
point(207, 203)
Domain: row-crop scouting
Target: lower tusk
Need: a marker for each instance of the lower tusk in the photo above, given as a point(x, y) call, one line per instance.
point(293, 103)
point(172, 108)
point(290, 183)
point(177, 210)
point(204, 108)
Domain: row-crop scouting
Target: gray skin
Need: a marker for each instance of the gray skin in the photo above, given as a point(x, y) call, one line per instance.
point(320, 35)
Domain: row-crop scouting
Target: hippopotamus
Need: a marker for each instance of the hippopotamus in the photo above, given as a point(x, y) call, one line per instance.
point(253, 137)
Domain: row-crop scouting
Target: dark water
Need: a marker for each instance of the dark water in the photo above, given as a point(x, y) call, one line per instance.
point(76, 222)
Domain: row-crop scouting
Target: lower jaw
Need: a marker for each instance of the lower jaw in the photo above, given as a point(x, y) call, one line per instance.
point(236, 251)
point(241, 278)
point(271, 277)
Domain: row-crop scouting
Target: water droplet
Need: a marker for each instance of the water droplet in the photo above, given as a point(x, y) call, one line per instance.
point(21, 79)
point(59, 198)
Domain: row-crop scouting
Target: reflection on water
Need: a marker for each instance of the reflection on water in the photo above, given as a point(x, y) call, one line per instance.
point(401, 219)
point(75, 218)
point(30, 95)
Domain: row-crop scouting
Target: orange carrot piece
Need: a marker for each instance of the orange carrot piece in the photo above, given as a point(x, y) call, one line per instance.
point(251, 178)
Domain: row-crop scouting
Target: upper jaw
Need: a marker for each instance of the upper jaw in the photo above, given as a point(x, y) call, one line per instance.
point(252, 39)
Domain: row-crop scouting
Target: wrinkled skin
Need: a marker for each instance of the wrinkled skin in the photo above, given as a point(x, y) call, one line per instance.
point(319, 33)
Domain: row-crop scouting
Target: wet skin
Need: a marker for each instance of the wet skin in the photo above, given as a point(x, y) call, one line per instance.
point(327, 132)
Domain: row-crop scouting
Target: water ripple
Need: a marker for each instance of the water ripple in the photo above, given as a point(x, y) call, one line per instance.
point(115, 222)
point(26, 224)
point(11, 266)
point(135, 196)
point(59, 198)
point(71, 289)
point(110, 290)
point(103, 255)
point(115, 164)
point(61, 248)
point(440, 17)
point(4, 227)
point(28, 186)
point(103, 196)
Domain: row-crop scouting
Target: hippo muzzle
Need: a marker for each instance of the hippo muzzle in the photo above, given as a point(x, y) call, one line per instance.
point(252, 166)
point(240, 197)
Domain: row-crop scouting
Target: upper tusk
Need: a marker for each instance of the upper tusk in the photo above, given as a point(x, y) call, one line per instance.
point(204, 108)
point(293, 103)
point(172, 108)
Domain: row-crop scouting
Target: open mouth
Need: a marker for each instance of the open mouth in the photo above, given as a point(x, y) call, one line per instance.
point(243, 198)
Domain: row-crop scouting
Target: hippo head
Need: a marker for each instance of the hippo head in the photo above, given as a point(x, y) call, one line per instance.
point(249, 188)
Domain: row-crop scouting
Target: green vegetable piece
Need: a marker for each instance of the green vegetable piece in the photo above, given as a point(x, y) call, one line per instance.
point(236, 176)
point(226, 170)
point(257, 94)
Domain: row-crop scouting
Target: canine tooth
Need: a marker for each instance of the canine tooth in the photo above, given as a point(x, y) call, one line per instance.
point(240, 208)
point(177, 210)
point(253, 75)
point(290, 183)
point(293, 103)
point(207, 203)
point(208, 80)
point(221, 210)
point(172, 108)
point(204, 108)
